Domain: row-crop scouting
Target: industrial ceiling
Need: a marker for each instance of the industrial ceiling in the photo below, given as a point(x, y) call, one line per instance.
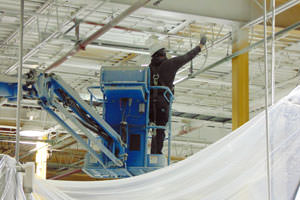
point(203, 105)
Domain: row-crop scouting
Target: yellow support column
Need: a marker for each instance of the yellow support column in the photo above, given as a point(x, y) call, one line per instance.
point(240, 80)
point(41, 159)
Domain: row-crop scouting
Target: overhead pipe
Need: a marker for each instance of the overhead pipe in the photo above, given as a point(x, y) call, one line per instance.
point(116, 26)
point(76, 22)
point(73, 165)
point(104, 29)
point(237, 53)
point(65, 174)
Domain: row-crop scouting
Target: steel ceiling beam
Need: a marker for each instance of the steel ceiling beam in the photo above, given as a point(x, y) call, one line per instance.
point(100, 32)
point(48, 38)
point(28, 22)
point(190, 16)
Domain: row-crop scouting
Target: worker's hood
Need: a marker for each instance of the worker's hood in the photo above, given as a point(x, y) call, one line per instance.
point(156, 61)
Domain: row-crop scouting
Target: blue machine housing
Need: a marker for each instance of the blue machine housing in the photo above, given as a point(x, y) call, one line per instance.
point(126, 93)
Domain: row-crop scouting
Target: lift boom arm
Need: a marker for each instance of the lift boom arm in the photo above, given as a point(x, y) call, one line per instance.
point(65, 105)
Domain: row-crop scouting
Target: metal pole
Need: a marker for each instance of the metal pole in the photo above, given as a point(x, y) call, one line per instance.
point(279, 10)
point(19, 97)
point(227, 58)
point(267, 100)
point(170, 131)
point(273, 53)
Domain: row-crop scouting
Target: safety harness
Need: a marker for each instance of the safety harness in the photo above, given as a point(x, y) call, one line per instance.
point(155, 78)
point(157, 82)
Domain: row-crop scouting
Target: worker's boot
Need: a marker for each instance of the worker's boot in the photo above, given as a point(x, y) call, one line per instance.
point(160, 137)
point(154, 145)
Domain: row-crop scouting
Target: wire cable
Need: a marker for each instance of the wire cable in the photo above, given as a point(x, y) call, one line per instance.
point(273, 53)
point(266, 102)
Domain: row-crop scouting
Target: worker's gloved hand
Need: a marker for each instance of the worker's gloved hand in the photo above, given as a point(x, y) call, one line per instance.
point(203, 41)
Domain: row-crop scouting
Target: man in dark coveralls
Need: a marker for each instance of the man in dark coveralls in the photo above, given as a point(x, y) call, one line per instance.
point(163, 71)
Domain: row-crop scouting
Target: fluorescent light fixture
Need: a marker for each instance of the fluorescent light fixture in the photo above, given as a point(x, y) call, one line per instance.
point(32, 133)
point(41, 159)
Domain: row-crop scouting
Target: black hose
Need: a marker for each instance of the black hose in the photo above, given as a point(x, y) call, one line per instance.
point(87, 121)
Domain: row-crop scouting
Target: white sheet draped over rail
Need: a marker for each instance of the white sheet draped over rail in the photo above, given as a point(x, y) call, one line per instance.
point(11, 181)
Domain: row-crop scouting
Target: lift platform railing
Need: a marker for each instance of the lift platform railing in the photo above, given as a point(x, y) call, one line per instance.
point(168, 127)
point(92, 96)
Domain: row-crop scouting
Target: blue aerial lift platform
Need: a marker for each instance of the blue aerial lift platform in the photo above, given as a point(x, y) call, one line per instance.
point(117, 142)
point(126, 93)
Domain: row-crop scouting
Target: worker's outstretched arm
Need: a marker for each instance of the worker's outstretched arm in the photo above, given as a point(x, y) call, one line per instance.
point(179, 61)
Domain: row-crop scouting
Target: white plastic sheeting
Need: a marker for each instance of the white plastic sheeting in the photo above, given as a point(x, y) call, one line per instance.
point(233, 168)
point(11, 187)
